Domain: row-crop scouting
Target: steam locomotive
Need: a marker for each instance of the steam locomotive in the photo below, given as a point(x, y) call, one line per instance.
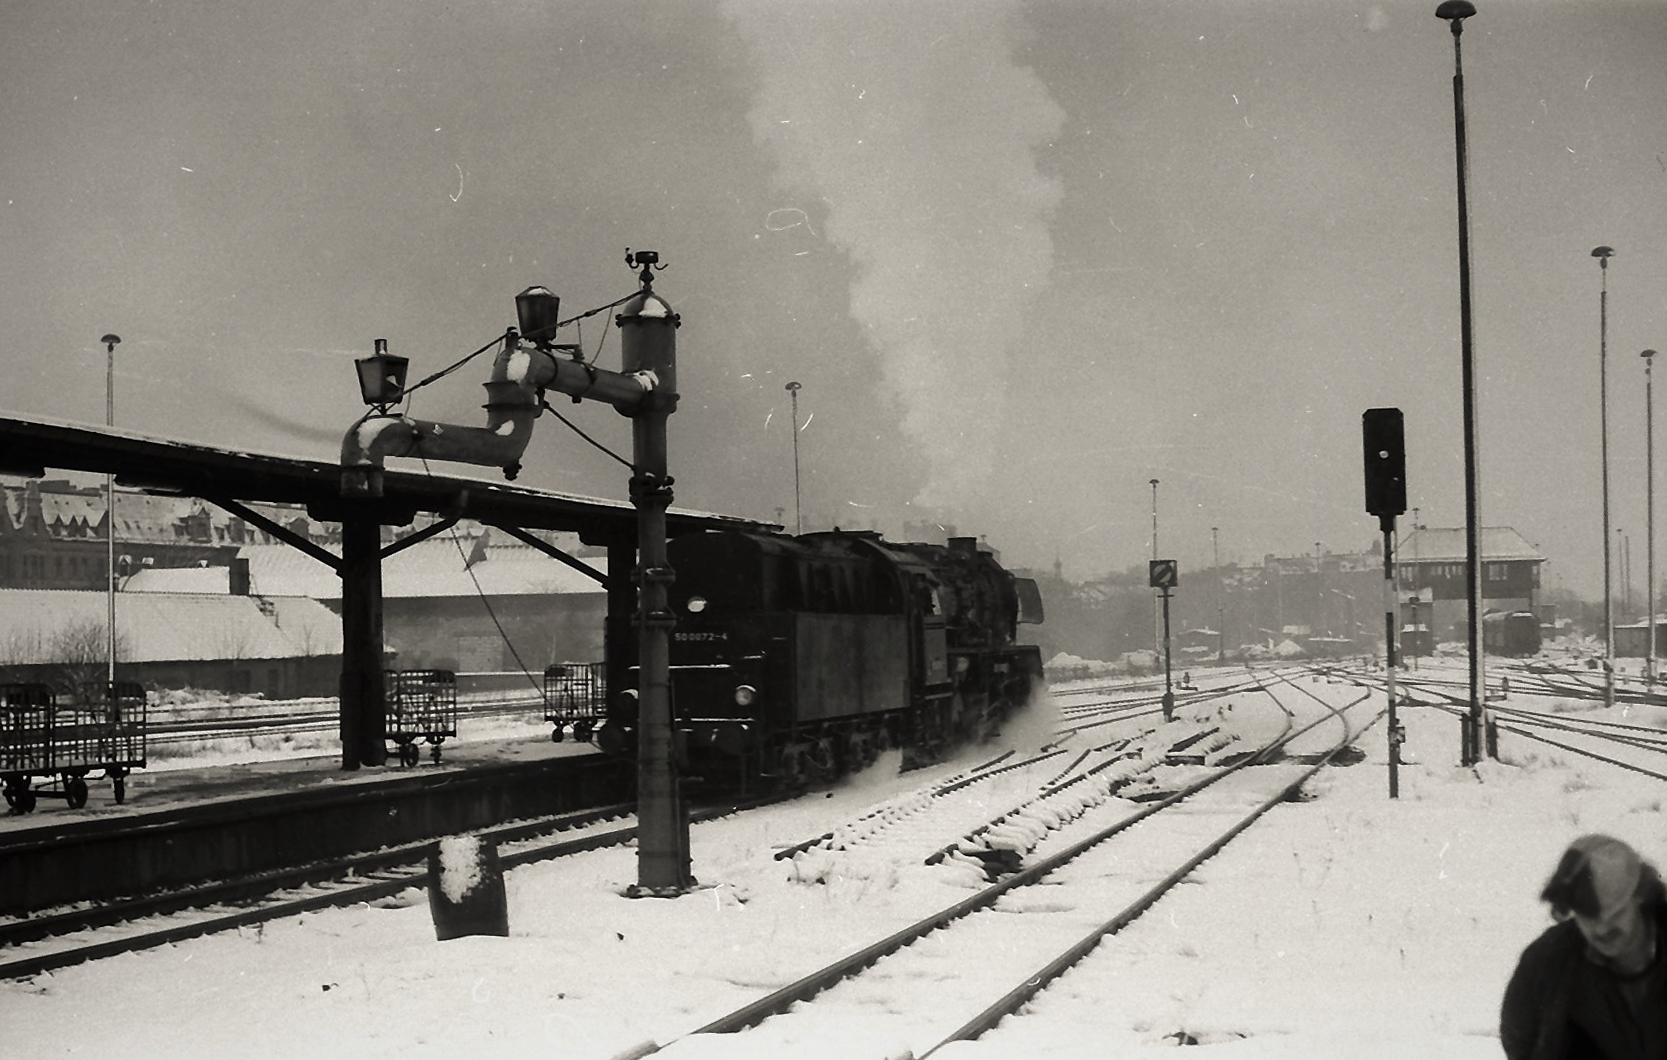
point(798, 659)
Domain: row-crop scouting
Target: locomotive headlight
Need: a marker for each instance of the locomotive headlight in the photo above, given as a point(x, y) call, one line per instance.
point(697, 604)
point(744, 695)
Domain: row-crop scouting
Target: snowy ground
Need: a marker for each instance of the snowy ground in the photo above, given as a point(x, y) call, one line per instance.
point(1345, 926)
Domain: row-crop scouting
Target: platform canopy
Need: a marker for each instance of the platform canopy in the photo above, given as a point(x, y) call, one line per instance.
point(28, 447)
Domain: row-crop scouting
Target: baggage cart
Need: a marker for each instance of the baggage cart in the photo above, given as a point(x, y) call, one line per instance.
point(422, 706)
point(43, 739)
point(573, 693)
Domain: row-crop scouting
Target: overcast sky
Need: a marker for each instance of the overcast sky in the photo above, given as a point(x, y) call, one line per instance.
point(1023, 257)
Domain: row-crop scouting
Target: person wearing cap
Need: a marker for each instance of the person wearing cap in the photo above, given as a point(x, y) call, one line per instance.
point(1595, 983)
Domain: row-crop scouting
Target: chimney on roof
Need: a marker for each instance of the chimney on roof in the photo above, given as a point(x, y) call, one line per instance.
point(239, 576)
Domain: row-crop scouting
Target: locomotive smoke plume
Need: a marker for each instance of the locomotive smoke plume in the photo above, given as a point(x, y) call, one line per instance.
point(915, 128)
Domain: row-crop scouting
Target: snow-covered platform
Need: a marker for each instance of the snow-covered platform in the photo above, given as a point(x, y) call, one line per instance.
point(180, 826)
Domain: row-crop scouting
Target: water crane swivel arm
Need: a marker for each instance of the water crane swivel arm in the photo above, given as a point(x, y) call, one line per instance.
point(521, 374)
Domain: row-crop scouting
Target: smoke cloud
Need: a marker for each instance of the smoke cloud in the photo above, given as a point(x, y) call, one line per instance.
point(913, 130)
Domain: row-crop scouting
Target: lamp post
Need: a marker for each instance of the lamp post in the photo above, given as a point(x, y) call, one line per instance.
point(1455, 12)
point(1157, 617)
point(1603, 254)
point(1221, 608)
point(1649, 514)
point(110, 342)
point(1624, 548)
point(798, 515)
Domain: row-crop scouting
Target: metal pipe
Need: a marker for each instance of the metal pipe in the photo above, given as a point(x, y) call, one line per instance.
point(519, 376)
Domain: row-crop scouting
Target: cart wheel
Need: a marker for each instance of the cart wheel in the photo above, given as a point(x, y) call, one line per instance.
point(555, 737)
point(408, 753)
point(26, 801)
point(435, 753)
point(75, 793)
point(120, 786)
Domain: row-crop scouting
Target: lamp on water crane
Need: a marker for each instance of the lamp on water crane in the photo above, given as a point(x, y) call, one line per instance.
point(382, 377)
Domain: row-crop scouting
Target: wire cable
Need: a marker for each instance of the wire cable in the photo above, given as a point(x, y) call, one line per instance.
point(547, 407)
point(481, 594)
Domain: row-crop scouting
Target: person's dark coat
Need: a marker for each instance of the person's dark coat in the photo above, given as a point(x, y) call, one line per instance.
point(1560, 1005)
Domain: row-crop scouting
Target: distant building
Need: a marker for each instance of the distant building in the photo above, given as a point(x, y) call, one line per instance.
point(1633, 640)
point(53, 534)
point(284, 649)
point(1433, 579)
point(465, 603)
point(460, 601)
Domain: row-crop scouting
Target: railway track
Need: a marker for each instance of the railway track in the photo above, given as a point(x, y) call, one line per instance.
point(995, 949)
point(53, 940)
point(1630, 745)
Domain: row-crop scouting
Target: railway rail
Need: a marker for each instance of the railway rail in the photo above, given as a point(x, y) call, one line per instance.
point(1203, 814)
point(1640, 748)
point(59, 939)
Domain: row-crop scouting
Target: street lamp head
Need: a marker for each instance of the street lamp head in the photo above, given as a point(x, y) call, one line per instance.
point(1603, 254)
point(792, 386)
point(1648, 356)
point(381, 377)
point(1454, 10)
point(111, 341)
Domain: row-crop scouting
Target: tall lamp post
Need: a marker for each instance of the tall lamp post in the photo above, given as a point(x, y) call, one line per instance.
point(110, 342)
point(1603, 254)
point(798, 518)
point(1221, 608)
point(1649, 514)
point(1455, 12)
point(1157, 619)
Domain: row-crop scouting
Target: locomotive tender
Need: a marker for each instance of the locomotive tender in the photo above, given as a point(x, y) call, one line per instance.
point(798, 659)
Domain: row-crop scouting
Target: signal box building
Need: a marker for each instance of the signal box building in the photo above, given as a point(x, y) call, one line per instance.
point(1432, 572)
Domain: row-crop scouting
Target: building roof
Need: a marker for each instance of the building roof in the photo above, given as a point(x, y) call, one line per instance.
point(67, 625)
point(441, 566)
point(71, 512)
point(212, 580)
point(1447, 545)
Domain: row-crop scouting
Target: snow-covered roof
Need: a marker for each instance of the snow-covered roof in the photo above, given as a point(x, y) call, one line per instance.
point(1447, 545)
point(214, 580)
point(439, 566)
point(55, 625)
